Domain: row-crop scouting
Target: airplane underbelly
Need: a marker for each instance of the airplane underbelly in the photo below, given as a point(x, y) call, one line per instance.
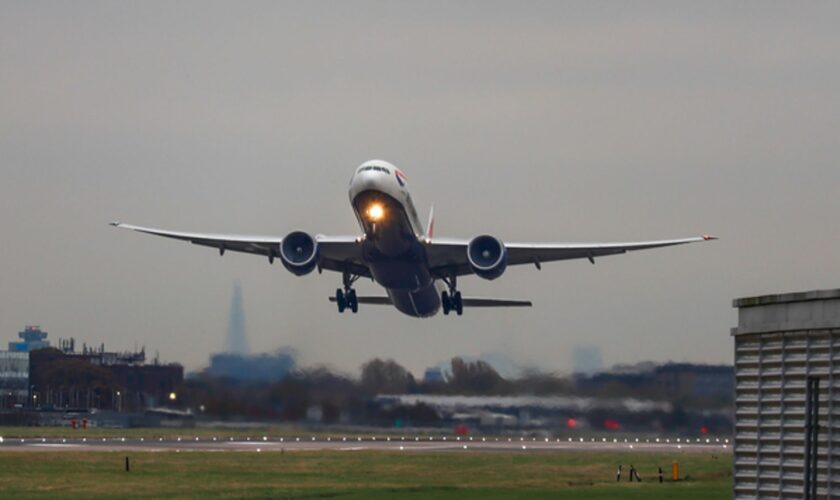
point(400, 274)
point(393, 253)
point(420, 304)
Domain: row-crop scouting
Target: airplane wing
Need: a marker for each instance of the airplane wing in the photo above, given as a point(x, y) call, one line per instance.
point(335, 252)
point(447, 256)
point(466, 301)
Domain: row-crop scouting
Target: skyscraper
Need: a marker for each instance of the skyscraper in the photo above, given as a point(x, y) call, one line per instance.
point(237, 341)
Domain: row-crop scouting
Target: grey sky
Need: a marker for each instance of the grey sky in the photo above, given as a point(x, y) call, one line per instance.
point(531, 121)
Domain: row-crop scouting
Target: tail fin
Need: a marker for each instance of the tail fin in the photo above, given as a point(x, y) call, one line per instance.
point(430, 229)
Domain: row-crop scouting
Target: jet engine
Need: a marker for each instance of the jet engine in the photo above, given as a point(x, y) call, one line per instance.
point(487, 256)
point(299, 253)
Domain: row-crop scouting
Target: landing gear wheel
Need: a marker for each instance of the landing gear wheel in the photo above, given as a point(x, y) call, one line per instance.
point(340, 300)
point(347, 298)
point(352, 301)
point(451, 300)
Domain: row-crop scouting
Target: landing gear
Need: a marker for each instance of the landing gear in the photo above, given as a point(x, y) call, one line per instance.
point(451, 300)
point(347, 298)
point(353, 301)
point(340, 300)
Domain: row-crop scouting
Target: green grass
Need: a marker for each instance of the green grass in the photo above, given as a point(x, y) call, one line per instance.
point(361, 474)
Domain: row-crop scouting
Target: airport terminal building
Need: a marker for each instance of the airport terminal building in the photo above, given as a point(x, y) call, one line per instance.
point(787, 396)
point(35, 375)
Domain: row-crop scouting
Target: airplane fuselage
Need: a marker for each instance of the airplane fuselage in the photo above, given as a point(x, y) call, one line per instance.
point(393, 238)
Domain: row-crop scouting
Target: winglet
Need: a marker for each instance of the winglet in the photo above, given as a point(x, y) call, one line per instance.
point(115, 223)
point(430, 229)
point(709, 237)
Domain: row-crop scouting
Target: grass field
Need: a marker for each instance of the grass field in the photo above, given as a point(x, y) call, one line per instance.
point(360, 474)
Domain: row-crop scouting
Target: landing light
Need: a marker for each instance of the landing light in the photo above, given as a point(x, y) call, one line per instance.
point(375, 212)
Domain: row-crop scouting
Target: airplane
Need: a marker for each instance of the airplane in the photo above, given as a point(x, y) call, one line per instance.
point(418, 271)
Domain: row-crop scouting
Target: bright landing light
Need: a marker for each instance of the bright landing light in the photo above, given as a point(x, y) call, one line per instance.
point(375, 212)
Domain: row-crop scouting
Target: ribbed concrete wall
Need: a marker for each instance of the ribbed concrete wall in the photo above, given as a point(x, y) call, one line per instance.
point(779, 342)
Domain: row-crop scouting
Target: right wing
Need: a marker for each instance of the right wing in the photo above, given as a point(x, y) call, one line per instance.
point(449, 256)
point(336, 253)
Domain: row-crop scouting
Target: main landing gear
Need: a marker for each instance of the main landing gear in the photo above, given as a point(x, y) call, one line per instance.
point(451, 300)
point(346, 299)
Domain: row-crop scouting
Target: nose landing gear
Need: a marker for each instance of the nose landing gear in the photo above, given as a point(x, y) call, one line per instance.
point(451, 301)
point(347, 299)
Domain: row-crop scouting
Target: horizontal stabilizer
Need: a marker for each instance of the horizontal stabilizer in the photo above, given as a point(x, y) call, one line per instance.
point(467, 301)
point(377, 301)
point(482, 302)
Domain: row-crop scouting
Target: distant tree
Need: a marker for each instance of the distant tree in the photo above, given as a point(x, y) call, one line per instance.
point(386, 377)
point(292, 397)
point(534, 381)
point(476, 377)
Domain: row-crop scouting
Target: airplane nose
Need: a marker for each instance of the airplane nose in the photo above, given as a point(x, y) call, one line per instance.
point(366, 180)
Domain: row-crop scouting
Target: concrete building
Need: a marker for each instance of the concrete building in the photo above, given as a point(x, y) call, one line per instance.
point(433, 375)
point(35, 375)
point(98, 379)
point(784, 344)
point(252, 367)
point(14, 379)
point(14, 367)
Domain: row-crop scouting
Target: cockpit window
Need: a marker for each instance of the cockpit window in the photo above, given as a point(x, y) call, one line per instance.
point(374, 168)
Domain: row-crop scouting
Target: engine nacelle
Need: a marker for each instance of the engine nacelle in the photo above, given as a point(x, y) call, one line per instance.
point(487, 256)
point(299, 253)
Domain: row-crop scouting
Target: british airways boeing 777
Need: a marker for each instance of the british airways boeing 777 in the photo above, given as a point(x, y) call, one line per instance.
point(418, 271)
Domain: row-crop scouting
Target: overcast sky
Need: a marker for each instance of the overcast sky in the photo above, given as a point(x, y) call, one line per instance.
point(532, 121)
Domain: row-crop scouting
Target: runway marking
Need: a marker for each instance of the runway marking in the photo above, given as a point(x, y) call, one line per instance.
point(374, 443)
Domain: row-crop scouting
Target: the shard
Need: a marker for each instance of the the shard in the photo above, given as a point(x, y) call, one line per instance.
point(237, 341)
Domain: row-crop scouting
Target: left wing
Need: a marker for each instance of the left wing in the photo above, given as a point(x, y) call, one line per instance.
point(336, 253)
point(450, 256)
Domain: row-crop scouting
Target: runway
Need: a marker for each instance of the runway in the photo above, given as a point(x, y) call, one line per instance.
point(350, 444)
